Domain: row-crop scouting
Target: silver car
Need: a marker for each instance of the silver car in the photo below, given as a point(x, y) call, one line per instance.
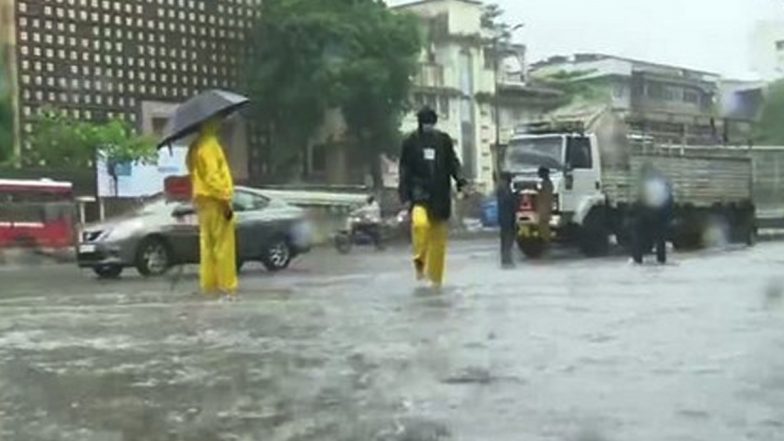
point(162, 234)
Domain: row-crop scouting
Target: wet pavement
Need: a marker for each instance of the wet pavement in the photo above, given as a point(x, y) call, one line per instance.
point(348, 348)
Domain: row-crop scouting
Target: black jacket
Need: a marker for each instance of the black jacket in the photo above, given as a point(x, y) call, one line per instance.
point(427, 165)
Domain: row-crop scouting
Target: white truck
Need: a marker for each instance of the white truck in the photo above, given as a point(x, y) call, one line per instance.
point(595, 167)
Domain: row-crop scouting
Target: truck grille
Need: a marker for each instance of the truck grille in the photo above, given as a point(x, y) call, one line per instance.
point(519, 186)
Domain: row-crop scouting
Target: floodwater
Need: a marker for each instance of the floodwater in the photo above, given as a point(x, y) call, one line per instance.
point(347, 348)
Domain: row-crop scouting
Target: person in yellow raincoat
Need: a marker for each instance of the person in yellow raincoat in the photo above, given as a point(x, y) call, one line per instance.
point(428, 163)
point(213, 192)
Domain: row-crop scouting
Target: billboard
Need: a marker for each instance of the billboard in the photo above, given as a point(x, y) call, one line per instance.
point(137, 180)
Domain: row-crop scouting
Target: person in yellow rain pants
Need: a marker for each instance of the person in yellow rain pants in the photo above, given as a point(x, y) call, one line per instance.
point(428, 163)
point(213, 192)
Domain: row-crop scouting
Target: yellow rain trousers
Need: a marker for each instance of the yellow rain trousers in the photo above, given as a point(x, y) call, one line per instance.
point(429, 238)
point(213, 192)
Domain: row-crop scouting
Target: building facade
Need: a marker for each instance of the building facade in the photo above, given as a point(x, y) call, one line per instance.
point(453, 70)
point(461, 68)
point(672, 104)
point(767, 50)
point(127, 59)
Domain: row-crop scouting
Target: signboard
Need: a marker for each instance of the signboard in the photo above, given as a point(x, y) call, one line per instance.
point(138, 180)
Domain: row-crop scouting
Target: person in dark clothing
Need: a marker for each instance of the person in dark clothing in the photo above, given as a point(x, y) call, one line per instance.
point(653, 214)
point(428, 163)
point(544, 203)
point(506, 218)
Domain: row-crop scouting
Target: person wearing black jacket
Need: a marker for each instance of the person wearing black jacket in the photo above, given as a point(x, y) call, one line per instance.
point(653, 214)
point(428, 163)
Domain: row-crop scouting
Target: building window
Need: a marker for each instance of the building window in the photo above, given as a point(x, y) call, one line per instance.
point(655, 90)
point(780, 45)
point(443, 107)
point(619, 91)
point(691, 97)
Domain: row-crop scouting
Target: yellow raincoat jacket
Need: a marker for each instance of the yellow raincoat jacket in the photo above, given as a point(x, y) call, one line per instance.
point(213, 192)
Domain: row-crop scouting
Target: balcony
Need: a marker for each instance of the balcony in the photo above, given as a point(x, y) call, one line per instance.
point(430, 75)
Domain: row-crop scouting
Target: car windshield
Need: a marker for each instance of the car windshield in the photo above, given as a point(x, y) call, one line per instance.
point(532, 153)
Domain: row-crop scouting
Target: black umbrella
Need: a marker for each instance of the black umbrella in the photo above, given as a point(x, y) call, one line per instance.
point(199, 109)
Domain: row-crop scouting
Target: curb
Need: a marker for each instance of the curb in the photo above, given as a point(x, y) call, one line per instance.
point(36, 256)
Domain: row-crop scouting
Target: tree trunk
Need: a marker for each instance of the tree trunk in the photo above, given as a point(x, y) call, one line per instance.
point(376, 172)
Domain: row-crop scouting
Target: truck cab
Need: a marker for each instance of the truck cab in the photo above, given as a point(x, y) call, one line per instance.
point(575, 169)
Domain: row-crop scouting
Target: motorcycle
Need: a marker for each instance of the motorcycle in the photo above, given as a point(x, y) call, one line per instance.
point(358, 232)
point(393, 228)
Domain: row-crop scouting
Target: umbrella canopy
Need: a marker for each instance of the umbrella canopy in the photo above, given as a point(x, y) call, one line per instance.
point(199, 109)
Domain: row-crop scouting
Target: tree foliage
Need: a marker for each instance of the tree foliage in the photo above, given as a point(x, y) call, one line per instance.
point(492, 21)
point(376, 78)
point(310, 57)
point(770, 127)
point(60, 140)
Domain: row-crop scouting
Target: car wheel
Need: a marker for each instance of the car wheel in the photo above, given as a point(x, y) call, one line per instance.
point(277, 256)
point(153, 257)
point(108, 271)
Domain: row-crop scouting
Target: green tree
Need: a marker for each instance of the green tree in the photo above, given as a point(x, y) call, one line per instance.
point(376, 79)
point(310, 57)
point(289, 78)
point(492, 20)
point(770, 129)
point(60, 140)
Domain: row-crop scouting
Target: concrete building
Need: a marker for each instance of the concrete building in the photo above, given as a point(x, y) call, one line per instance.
point(671, 104)
point(8, 70)
point(457, 77)
point(767, 50)
point(127, 59)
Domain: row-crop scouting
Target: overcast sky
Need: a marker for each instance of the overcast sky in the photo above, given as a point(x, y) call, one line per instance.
point(703, 34)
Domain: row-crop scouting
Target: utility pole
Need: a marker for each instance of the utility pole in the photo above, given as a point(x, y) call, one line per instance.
point(497, 53)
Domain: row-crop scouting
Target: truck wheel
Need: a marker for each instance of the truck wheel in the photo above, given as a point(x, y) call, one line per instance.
point(687, 242)
point(532, 248)
point(594, 236)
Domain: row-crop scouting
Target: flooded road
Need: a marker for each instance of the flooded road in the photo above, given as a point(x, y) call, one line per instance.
point(347, 348)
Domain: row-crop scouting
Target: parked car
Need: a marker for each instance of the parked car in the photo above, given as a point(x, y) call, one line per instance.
point(163, 233)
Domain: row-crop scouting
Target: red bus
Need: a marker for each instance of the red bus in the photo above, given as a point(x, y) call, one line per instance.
point(36, 213)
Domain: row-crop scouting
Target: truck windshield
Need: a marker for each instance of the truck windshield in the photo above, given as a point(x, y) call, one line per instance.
point(532, 153)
